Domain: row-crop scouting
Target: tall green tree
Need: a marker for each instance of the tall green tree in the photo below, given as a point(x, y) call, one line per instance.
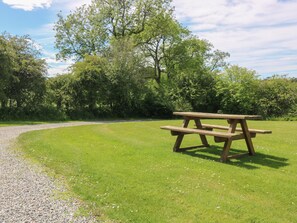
point(5, 67)
point(89, 29)
point(26, 83)
point(162, 33)
point(193, 55)
point(90, 84)
point(98, 85)
point(192, 65)
point(59, 92)
point(80, 33)
point(126, 77)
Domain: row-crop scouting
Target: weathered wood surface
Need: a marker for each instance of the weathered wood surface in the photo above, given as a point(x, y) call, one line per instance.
point(216, 116)
point(202, 137)
point(247, 137)
point(260, 131)
point(227, 145)
point(200, 131)
point(240, 136)
point(180, 137)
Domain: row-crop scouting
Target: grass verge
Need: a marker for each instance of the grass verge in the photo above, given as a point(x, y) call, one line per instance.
point(128, 173)
point(17, 123)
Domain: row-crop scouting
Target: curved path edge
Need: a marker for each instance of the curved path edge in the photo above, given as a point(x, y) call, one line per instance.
point(27, 194)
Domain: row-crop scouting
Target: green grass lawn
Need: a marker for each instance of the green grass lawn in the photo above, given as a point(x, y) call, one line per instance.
point(128, 173)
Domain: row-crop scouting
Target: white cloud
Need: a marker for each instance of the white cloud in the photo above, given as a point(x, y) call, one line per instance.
point(69, 4)
point(28, 5)
point(260, 35)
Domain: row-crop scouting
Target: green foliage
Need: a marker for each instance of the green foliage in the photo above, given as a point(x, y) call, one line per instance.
point(162, 33)
point(59, 91)
point(192, 68)
point(277, 96)
point(128, 173)
point(18, 123)
point(22, 75)
point(237, 89)
point(126, 78)
point(187, 56)
point(80, 33)
point(240, 91)
point(90, 83)
point(193, 55)
point(89, 29)
point(41, 113)
point(98, 86)
point(83, 92)
point(5, 66)
point(196, 89)
point(157, 102)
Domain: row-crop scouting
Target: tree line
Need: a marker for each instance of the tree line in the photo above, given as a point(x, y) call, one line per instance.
point(132, 59)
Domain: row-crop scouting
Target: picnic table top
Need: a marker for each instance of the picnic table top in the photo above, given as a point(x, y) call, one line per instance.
point(217, 116)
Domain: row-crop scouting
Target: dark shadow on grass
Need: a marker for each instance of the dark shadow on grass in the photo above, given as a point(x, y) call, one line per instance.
point(249, 162)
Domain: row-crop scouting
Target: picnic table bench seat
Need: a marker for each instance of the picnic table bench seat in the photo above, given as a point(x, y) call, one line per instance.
point(177, 130)
point(210, 127)
point(207, 131)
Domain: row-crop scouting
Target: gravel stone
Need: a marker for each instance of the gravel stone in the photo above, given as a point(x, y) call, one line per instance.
point(27, 194)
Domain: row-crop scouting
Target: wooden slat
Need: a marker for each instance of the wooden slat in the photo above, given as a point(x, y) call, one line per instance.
point(216, 116)
point(227, 144)
point(202, 137)
point(173, 133)
point(207, 126)
point(225, 151)
point(247, 137)
point(180, 137)
point(241, 136)
point(200, 131)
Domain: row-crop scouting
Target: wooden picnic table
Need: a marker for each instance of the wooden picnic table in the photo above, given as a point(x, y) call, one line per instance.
point(232, 132)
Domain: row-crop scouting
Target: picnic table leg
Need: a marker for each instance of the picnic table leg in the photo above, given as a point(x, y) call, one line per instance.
point(226, 149)
point(227, 144)
point(180, 137)
point(247, 137)
point(202, 137)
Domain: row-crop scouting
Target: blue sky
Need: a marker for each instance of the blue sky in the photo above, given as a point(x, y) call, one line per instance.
point(259, 34)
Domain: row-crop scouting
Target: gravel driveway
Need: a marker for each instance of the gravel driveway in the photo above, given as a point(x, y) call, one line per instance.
point(26, 193)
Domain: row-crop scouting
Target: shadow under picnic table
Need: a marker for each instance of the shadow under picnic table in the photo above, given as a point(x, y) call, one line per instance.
point(246, 161)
